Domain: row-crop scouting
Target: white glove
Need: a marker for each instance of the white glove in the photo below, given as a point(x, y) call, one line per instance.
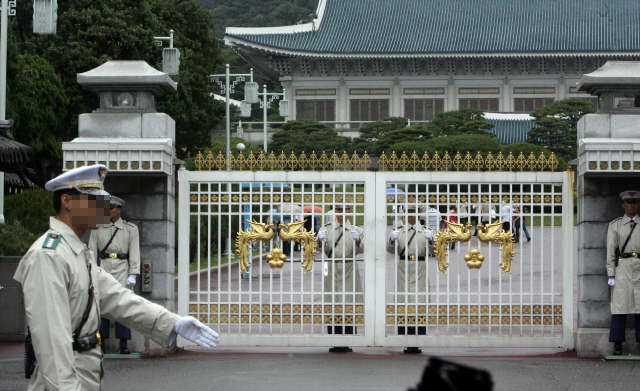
point(395, 235)
point(190, 328)
point(355, 235)
point(612, 281)
point(322, 235)
point(131, 281)
point(428, 235)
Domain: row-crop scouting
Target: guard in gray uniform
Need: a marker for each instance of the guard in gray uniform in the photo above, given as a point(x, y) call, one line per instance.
point(341, 241)
point(411, 242)
point(623, 269)
point(65, 293)
point(117, 249)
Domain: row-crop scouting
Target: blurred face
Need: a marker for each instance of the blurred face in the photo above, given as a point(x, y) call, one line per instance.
point(631, 207)
point(340, 213)
point(411, 216)
point(114, 213)
point(87, 211)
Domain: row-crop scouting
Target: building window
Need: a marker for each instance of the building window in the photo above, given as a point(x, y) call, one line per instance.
point(527, 105)
point(327, 91)
point(369, 91)
point(534, 90)
point(369, 110)
point(482, 104)
point(422, 109)
point(317, 110)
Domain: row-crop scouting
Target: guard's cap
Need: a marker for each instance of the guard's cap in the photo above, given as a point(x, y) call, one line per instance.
point(341, 206)
point(116, 201)
point(630, 196)
point(87, 180)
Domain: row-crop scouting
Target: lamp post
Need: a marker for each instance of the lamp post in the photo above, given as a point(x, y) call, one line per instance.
point(8, 8)
point(170, 55)
point(228, 88)
point(265, 103)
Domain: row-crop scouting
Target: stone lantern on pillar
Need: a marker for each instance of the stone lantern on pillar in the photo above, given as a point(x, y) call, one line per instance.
point(608, 164)
point(137, 143)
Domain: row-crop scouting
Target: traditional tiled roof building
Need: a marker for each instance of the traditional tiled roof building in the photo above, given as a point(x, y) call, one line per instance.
point(362, 60)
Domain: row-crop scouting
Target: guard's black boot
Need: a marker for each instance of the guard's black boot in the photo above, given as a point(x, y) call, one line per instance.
point(123, 347)
point(617, 348)
point(340, 349)
point(413, 350)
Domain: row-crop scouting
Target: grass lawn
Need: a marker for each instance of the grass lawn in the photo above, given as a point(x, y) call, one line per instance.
point(204, 263)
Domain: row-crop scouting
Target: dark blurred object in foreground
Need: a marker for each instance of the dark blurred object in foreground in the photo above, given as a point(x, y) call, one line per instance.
point(442, 375)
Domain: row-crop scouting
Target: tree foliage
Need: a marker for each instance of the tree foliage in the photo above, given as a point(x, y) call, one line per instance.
point(557, 126)
point(463, 121)
point(90, 33)
point(372, 132)
point(30, 209)
point(305, 135)
point(407, 135)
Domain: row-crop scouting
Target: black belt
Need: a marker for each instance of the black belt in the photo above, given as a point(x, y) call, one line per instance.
point(413, 258)
point(87, 343)
point(114, 255)
point(630, 255)
point(341, 261)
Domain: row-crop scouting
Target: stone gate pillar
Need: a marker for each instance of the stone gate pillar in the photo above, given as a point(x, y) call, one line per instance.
point(137, 143)
point(609, 163)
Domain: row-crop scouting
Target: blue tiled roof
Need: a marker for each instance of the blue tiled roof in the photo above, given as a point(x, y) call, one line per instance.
point(510, 131)
point(466, 26)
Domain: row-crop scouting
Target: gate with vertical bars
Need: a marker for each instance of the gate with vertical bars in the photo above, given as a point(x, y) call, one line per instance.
point(284, 297)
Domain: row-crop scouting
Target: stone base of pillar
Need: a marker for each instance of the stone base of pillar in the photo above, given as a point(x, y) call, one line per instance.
point(595, 342)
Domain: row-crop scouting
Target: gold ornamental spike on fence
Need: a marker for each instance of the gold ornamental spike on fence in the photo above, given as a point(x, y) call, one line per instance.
point(404, 162)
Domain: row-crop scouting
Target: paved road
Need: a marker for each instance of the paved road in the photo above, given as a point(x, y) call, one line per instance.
point(297, 369)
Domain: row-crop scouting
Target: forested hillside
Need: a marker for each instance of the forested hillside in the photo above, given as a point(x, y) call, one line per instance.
point(256, 13)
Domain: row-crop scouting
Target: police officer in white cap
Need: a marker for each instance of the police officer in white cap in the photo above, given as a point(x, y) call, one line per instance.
point(623, 269)
point(411, 243)
point(117, 251)
point(341, 241)
point(65, 293)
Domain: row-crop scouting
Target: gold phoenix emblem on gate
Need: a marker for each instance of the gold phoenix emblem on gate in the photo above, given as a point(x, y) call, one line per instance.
point(486, 233)
point(297, 233)
point(265, 232)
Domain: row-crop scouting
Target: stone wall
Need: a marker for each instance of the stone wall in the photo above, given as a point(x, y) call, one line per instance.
point(12, 317)
point(150, 204)
point(598, 204)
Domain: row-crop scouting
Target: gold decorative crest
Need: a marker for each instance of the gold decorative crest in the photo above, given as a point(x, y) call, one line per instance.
point(296, 232)
point(276, 259)
point(494, 233)
point(474, 259)
point(257, 232)
point(458, 233)
point(355, 162)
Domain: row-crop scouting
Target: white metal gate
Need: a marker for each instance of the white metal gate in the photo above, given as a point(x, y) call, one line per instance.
point(529, 307)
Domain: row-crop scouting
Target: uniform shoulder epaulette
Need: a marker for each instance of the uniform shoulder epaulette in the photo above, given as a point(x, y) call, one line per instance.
point(128, 223)
point(51, 241)
point(615, 220)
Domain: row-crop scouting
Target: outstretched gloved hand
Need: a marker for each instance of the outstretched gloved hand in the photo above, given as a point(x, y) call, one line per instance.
point(395, 235)
point(355, 235)
point(322, 235)
point(190, 328)
point(428, 234)
point(612, 281)
point(131, 281)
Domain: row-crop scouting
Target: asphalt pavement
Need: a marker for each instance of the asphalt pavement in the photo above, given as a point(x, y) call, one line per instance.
point(298, 369)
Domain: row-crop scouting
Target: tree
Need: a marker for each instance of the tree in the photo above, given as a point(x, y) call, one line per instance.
point(463, 121)
point(407, 136)
point(91, 32)
point(370, 133)
point(305, 135)
point(557, 126)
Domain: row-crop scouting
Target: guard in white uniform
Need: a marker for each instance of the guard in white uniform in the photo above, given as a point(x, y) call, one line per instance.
point(412, 243)
point(341, 241)
point(65, 293)
point(117, 249)
point(623, 269)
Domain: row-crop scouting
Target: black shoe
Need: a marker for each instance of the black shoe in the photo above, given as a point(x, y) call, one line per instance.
point(412, 350)
point(340, 349)
point(617, 348)
point(528, 239)
point(123, 347)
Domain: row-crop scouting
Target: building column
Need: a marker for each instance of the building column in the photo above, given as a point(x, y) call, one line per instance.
point(396, 99)
point(507, 102)
point(562, 88)
point(451, 96)
point(342, 104)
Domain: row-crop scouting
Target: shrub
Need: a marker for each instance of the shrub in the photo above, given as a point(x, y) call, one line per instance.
point(30, 209)
point(15, 240)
